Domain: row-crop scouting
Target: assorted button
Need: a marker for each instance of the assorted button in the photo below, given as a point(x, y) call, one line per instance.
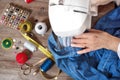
point(13, 15)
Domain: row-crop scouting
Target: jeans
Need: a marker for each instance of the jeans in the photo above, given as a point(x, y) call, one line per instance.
point(101, 64)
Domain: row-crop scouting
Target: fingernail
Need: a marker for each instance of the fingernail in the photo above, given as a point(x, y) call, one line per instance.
point(72, 45)
point(78, 52)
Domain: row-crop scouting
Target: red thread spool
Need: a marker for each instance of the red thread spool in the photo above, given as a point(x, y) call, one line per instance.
point(28, 1)
point(21, 58)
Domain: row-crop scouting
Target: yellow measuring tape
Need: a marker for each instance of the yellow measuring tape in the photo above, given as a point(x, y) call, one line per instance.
point(47, 53)
point(25, 27)
point(40, 47)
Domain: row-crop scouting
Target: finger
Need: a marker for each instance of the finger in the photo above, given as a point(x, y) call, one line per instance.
point(79, 41)
point(79, 45)
point(84, 35)
point(84, 51)
point(94, 30)
point(91, 32)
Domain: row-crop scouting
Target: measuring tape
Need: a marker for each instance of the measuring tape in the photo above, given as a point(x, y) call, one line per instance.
point(40, 47)
point(45, 66)
point(25, 27)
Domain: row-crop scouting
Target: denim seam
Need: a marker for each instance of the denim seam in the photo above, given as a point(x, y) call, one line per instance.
point(106, 61)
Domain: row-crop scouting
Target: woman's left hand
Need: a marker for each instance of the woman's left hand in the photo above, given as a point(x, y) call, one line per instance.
point(95, 39)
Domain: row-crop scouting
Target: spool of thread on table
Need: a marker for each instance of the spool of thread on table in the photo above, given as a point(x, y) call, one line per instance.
point(41, 28)
point(21, 57)
point(30, 46)
point(46, 65)
point(28, 1)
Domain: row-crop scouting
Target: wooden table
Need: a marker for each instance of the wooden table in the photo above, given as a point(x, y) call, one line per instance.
point(9, 68)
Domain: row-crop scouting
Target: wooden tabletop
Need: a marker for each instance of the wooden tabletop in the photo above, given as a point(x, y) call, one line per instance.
point(9, 68)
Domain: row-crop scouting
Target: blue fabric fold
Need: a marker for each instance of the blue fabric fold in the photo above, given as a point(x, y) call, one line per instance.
point(101, 64)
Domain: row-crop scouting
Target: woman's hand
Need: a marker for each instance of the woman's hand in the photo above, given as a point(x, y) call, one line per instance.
point(95, 39)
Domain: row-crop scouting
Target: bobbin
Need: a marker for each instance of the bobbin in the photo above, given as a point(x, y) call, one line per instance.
point(41, 28)
point(30, 46)
point(47, 65)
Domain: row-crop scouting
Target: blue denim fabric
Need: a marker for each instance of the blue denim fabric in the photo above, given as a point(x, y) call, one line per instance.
point(101, 64)
point(65, 41)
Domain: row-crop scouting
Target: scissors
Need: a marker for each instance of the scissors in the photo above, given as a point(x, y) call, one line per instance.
point(26, 68)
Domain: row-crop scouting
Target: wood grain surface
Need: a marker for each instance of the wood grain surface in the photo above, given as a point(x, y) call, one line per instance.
point(9, 68)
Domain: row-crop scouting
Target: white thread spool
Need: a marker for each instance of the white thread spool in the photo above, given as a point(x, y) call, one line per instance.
point(30, 46)
point(41, 28)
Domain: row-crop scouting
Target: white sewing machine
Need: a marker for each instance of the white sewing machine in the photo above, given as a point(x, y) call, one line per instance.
point(72, 17)
point(69, 17)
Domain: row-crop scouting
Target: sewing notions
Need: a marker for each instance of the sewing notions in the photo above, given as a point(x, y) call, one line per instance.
point(46, 65)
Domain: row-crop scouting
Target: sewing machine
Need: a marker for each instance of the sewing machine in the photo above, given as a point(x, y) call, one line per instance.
point(69, 17)
point(72, 17)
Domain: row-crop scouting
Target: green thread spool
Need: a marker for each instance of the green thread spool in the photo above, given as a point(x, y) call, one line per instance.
point(7, 43)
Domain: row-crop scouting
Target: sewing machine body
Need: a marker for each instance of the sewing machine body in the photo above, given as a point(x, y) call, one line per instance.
point(69, 17)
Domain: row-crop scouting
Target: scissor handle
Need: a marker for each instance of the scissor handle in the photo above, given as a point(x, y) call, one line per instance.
point(26, 69)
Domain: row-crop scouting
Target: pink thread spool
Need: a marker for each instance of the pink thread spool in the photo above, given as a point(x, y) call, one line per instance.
point(21, 57)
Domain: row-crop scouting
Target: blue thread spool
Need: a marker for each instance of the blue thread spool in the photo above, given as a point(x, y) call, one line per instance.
point(46, 65)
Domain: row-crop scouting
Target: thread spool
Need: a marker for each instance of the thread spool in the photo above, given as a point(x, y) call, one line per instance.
point(21, 58)
point(7, 43)
point(25, 27)
point(30, 46)
point(28, 1)
point(41, 28)
point(46, 65)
